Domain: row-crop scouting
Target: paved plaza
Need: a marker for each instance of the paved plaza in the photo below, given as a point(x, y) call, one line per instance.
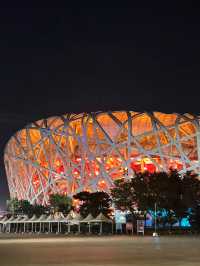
point(100, 251)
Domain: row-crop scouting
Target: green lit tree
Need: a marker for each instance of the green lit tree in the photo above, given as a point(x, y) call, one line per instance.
point(25, 208)
point(13, 206)
point(61, 203)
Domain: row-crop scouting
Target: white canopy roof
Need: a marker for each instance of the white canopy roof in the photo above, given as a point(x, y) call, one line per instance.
point(4, 219)
point(42, 218)
point(10, 219)
point(77, 219)
point(59, 217)
point(17, 219)
point(69, 217)
point(33, 219)
point(102, 218)
point(50, 218)
point(89, 218)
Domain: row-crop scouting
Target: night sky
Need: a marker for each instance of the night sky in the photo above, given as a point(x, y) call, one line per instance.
point(55, 60)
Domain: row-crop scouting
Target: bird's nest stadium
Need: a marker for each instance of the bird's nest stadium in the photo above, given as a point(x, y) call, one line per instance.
point(87, 151)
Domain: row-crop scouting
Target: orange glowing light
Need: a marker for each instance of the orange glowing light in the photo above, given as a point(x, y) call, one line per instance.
point(57, 163)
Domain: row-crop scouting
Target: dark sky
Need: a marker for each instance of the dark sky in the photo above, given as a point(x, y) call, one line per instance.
point(55, 60)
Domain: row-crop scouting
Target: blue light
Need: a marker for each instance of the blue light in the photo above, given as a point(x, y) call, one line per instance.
point(185, 222)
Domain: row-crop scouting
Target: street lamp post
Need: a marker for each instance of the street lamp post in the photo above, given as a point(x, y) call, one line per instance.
point(155, 234)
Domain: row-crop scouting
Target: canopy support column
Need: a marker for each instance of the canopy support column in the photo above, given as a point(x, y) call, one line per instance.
point(101, 228)
point(68, 228)
point(79, 228)
point(40, 229)
point(57, 228)
point(16, 229)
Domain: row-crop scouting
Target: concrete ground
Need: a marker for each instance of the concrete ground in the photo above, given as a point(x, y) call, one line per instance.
point(100, 251)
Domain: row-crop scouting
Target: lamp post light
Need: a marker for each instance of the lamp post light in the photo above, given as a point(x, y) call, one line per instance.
point(155, 234)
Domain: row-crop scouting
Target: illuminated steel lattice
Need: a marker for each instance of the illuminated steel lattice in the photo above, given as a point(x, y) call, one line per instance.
point(71, 153)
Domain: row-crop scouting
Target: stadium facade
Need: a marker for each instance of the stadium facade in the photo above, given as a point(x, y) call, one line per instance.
point(87, 151)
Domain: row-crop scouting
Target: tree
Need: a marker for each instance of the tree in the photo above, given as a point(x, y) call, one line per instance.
point(25, 207)
point(163, 189)
point(38, 209)
point(17, 207)
point(191, 196)
point(194, 218)
point(94, 203)
point(60, 203)
point(184, 194)
point(124, 195)
point(13, 205)
point(174, 194)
